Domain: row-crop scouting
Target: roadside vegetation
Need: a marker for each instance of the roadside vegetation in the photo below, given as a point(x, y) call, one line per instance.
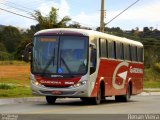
point(152, 78)
point(13, 90)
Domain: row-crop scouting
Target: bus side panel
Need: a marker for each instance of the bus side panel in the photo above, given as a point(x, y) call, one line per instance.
point(105, 73)
point(136, 73)
point(108, 74)
point(116, 75)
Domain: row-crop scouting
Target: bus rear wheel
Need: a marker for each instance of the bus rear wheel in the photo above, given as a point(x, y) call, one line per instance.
point(124, 98)
point(50, 99)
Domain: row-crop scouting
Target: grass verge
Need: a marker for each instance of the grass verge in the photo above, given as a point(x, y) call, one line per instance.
point(5, 86)
point(151, 78)
point(15, 92)
point(151, 84)
point(13, 62)
point(151, 91)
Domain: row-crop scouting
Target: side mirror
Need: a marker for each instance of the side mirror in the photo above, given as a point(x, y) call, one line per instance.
point(27, 52)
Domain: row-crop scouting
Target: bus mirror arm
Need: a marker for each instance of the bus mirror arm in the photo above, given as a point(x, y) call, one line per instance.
point(27, 52)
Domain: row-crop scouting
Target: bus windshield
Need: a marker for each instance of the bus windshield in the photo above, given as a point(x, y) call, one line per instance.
point(59, 55)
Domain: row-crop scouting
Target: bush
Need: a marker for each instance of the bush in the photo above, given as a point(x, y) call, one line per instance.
point(157, 67)
point(5, 56)
point(6, 86)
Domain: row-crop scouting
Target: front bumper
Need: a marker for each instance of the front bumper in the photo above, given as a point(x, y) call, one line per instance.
point(80, 91)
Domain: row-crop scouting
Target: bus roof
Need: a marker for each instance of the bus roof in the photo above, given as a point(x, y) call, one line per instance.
point(90, 33)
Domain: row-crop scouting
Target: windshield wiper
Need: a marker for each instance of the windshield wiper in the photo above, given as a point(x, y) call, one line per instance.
point(48, 64)
point(66, 65)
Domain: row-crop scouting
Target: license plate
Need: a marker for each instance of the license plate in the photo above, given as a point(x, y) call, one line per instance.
point(56, 92)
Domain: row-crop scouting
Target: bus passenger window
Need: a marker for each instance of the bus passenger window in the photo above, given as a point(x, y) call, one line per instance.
point(134, 53)
point(107, 48)
point(126, 52)
point(140, 54)
point(111, 52)
point(115, 52)
point(119, 50)
point(122, 49)
point(103, 50)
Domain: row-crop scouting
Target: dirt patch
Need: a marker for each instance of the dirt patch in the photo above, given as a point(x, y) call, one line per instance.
point(14, 74)
point(13, 71)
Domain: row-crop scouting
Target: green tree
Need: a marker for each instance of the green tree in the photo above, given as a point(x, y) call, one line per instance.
point(2, 47)
point(10, 37)
point(51, 20)
point(75, 25)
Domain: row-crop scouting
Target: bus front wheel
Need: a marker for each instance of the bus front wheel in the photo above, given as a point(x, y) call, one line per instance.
point(97, 100)
point(50, 99)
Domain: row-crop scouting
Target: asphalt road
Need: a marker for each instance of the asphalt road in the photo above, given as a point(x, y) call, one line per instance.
point(149, 104)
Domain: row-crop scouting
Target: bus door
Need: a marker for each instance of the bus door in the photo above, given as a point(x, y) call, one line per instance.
point(92, 66)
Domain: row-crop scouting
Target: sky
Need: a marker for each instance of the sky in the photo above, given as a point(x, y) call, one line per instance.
point(145, 13)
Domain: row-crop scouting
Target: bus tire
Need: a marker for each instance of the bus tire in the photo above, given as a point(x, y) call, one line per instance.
point(85, 99)
point(97, 100)
point(50, 99)
point(124, 98)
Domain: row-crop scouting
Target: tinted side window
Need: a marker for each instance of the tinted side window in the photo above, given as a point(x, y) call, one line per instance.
point(122, 48)
point(115, 52)
point(126, 52)
point(103, 50)
point(140, 54)
point(107, 48)
point(111, 49)
point(119, 50)
point(134, 53)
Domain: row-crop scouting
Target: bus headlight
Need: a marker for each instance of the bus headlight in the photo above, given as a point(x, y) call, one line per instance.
point(37, 83)
point(79, 84)
point(34, 81)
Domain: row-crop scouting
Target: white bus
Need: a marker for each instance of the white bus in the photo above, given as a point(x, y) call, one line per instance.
point(85, 64)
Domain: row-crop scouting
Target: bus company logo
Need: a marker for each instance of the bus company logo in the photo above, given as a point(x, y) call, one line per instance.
point(50, 82)
point(122, 75)
point(136, 70)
